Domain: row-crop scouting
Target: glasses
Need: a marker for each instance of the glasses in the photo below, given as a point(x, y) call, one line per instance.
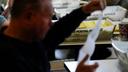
point(120, 43)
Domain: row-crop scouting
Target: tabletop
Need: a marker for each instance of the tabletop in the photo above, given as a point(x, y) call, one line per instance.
point(109, 65)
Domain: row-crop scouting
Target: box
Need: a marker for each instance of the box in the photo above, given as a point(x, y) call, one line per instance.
point(81, 33)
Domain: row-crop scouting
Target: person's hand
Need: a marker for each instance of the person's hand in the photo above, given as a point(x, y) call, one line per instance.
point(10, 3)
point(86, 68)
point(8, 7)
point(94, 5)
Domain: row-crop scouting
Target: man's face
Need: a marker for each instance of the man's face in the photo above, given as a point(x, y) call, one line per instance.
point(43, 18)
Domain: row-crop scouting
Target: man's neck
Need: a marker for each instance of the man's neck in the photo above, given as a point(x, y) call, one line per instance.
point(20, 32)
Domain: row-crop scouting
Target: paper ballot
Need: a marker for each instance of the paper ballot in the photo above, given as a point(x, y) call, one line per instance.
point(89, 45)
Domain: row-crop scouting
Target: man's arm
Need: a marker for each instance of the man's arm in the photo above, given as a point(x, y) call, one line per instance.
point(64, 27)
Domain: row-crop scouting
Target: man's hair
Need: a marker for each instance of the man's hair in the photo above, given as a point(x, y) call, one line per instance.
point(19, 6)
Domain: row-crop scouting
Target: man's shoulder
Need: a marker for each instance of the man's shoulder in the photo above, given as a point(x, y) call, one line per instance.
point(2, 40)
point(2, 37)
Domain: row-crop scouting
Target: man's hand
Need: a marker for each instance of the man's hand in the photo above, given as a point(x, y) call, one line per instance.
point(86, 68)
point(94, 5)
point(10, 3)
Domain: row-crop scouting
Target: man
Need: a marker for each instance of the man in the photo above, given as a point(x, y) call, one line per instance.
point(2, 20)
point(7, 9)
point(24, 43)
point(112, 2)
point(1, 7)
point(123, 3)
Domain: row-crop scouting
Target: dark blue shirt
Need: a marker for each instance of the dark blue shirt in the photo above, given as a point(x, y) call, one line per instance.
point(19, 56)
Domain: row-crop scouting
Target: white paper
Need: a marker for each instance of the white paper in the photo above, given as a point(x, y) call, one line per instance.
point(114, 12)
point(89, 45)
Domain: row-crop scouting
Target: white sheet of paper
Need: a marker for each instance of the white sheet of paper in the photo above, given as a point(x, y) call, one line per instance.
point(89, 45)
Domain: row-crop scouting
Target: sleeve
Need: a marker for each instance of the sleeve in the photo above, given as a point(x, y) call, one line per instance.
point(2, 20)
point(63, 28)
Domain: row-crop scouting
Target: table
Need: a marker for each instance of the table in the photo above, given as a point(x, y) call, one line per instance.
point(110, 65)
